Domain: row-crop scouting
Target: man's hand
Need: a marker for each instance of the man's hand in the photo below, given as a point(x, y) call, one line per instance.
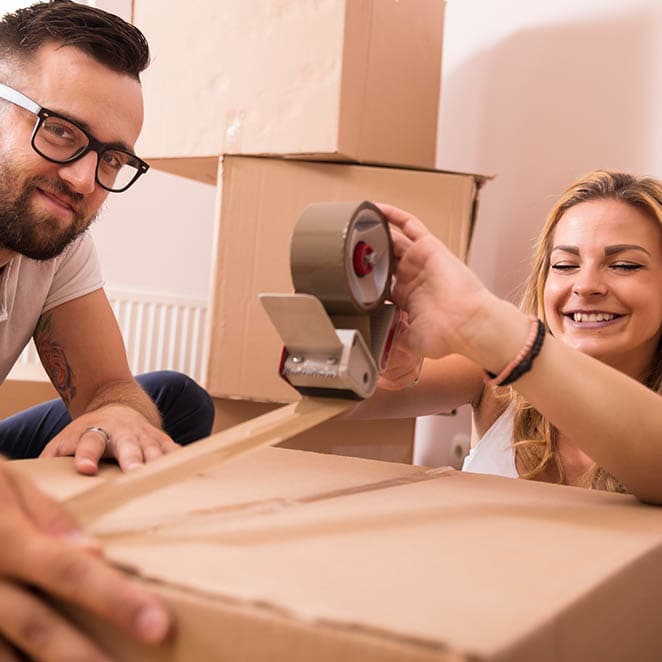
point(81, 348)
point(43, 549)
point(131, 439)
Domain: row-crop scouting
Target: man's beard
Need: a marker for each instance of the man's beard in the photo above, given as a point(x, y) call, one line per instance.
point(37, 236)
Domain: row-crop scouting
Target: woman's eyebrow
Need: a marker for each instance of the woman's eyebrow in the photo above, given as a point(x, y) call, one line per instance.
point(566, 249)
point(618, 248)
point(609, 250)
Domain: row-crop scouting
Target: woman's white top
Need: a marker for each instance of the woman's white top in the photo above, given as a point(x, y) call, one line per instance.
point(494, 453)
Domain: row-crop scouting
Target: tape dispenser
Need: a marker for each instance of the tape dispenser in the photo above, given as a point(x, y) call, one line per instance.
point(337, 328)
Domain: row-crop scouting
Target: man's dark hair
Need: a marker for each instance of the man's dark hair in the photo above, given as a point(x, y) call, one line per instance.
point(105, 37)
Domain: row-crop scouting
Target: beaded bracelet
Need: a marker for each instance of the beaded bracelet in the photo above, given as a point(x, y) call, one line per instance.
point(523, 362)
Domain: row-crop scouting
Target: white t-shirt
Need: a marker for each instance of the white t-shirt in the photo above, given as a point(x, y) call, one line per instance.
point(494, 453)
point(29, 288)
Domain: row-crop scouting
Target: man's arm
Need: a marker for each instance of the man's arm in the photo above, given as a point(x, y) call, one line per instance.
point(81, 348)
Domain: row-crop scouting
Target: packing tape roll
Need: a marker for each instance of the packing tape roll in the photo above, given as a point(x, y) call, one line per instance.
point(342, 253)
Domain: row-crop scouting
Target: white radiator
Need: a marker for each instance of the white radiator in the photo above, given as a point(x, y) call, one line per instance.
point(161, 332)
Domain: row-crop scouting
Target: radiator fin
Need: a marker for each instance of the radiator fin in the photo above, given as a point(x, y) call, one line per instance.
point(160, 332)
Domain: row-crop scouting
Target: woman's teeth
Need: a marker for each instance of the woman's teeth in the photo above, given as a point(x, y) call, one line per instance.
point(592, 317)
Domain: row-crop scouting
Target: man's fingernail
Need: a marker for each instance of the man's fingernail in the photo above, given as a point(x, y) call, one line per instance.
point(153, 623)
point(134, 465)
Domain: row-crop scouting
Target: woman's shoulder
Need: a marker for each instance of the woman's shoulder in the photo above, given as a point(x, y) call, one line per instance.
point(493, 452)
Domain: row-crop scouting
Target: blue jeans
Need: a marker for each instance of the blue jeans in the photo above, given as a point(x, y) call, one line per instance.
point(186, 408)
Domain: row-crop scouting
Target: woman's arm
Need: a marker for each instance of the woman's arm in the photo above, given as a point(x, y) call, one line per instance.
point(613, 418)
point(443, 385)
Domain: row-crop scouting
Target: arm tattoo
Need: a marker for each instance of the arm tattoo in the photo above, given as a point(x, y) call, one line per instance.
point(54, 360)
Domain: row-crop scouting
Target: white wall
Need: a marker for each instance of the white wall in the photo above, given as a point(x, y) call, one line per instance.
point(157, 236)
point(11, 5)
point(539, 92)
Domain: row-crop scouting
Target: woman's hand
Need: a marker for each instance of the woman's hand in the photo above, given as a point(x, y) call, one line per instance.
point(404, 364)
point(443, 299)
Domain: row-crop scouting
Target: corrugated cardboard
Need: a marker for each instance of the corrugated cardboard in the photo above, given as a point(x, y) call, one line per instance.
point(17, 394)
point(338, 79)
point(293, 556)
point(260, 201)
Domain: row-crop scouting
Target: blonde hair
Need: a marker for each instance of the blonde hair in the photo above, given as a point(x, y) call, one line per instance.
point(534, 438)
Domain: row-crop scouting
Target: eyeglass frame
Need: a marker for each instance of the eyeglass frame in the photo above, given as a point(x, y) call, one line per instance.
point(19, 99)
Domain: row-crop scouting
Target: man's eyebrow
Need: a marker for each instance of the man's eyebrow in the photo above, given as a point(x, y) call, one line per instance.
point(116, 144)
point(609, 250)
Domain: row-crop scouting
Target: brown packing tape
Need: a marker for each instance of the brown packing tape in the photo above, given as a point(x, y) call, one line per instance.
point(199, 524)
point(322, 256)
point(266, 430)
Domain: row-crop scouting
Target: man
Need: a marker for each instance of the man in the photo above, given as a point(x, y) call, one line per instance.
point(70, 113)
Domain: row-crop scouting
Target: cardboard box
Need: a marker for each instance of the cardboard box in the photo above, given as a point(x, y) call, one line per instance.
point(260, 201)
point(389, 440)
point(25, 387)
point(292, 556)
point(337, 79)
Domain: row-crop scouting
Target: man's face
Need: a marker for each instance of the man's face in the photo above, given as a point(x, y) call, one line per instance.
point(44, 205)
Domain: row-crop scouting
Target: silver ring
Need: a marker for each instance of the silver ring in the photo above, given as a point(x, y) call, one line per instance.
point(98, 430)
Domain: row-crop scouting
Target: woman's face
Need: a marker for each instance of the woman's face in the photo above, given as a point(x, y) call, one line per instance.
point(603, 293)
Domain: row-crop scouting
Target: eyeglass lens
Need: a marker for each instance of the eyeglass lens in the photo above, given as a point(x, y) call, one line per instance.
point(61, 141)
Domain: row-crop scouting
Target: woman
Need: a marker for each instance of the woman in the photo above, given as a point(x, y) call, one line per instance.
point(544, 407)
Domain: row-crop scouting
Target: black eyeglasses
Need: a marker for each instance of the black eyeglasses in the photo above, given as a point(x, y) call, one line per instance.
point(61, 140)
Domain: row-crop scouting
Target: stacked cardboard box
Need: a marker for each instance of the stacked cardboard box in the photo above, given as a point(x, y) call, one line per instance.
point(284, 104)
point(334, 79)
point(22, 389)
